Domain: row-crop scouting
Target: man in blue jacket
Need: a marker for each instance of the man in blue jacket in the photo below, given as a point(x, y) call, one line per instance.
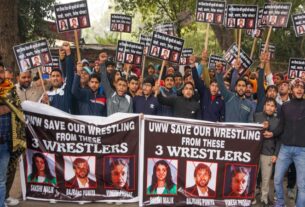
point(60, 96)
point(147, 103)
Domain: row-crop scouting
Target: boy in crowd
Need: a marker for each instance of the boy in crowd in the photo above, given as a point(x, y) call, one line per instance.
point(133, 85)
point(167, 90)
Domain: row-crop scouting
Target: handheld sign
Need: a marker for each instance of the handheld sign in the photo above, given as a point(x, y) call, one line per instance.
point(298, 21)
point(232, 54)
point(276, 14)
point(296, 68)
point(241, 16)
point(47, 69)
point(255, 33)
point(32, 55)
point(166, 47)
point(72, 16)
point(271, 50)
point(215, 58)
point(167, 28)
point(120, 23)
point(185, 56)
point(259, 18)
point(146, 41)
point(129, 52)
point(210, 11)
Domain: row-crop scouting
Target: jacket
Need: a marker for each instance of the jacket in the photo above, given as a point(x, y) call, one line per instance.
point(89, 103)
point(146, 105)
point(238, 109)
point(210, 110)
point(166, 110)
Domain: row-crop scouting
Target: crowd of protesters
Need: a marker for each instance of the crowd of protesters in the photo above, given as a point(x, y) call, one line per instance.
point(196, 92)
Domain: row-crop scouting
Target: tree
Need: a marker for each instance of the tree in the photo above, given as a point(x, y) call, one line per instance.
point(21, 21)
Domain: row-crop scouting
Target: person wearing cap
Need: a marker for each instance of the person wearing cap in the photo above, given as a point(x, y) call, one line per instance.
point(211, 103)
point(291, 131)
point(185, 106)
point(60, 95)
point(85, 62)
point(147, 103)
point(84, 72)
point(168, 90)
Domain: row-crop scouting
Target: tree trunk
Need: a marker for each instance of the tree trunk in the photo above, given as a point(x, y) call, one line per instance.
point(9, 32)
point(224, 37)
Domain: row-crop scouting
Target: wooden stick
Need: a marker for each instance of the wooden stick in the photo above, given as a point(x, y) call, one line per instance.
point(160, 74)
point(42, 82)
point(239, 43)
point(268, 39)
point(77, 46)
point(143, 66)
point(206, 43)
point(253, 47)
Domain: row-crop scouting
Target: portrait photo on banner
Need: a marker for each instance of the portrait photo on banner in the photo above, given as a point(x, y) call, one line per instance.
point(41, 167)
point(80, 172)
point(119, 172)
point(161, 176)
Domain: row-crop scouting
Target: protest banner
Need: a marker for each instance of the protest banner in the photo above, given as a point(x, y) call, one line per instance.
point(276, 14)
point(232, 54)
point(270, 50)
point(241, 16)
point(120, 23)
point(298, 21)
point(296, 68)
point(84, 158)
point(32, 55)
point(219, 151)
point(72, 16)
point(47, 69)
point(166, 28)
point(129, 52)
point(210, 11)
point(166, 47)
point(185, 56)
point(215, 58)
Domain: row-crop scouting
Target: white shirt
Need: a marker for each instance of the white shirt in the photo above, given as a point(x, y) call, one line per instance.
point(205, 194)
point(80, 185)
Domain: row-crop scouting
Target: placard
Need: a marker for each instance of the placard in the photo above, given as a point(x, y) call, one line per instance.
point(47, 69)
point(215, 58)
point(298, 21)
point(72, 16)
point(166, 28)
point(241, 16)
point(255, 33)
point(276, 14)
point(210, 11)
point(120, 23)
point(271, 50)
point(32, 55)
point(166, 47)
point(146, 41)
point(185, 57)
point(231, 56)
point(129, 52)
point(296, 68)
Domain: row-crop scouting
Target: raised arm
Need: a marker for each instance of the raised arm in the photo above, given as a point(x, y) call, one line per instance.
point(105, 82)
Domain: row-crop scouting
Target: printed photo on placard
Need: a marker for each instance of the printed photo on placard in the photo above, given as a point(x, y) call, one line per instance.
point(232, 54)
point(203, 181)
point(120, 23)
point(146, 41)
point(276, 14)
point(185, 56)
point(241, 16)
point(215, 58)
point(239, 181)
point(166, 28)
point(166, 47)
point(80, 172)
point(72, 16)
point(119, 172)
point(210, 11)
point(41, 167)
point(271, 50)
point(161, 170)
point(257, 33)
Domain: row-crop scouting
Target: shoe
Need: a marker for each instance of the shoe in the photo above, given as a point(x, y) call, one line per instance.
point(11, 201)
point(265, 204)
point(253, 202)
point(291, 193)
point(257, 191)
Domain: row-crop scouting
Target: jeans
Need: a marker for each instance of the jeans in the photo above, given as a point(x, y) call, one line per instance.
point(4, 159)
point(287, 155)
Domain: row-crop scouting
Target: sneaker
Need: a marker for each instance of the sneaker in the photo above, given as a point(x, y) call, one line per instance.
point(265, 204)
point(11, 201)
point(291, 193)
point(257, 191)
point(253, 202)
